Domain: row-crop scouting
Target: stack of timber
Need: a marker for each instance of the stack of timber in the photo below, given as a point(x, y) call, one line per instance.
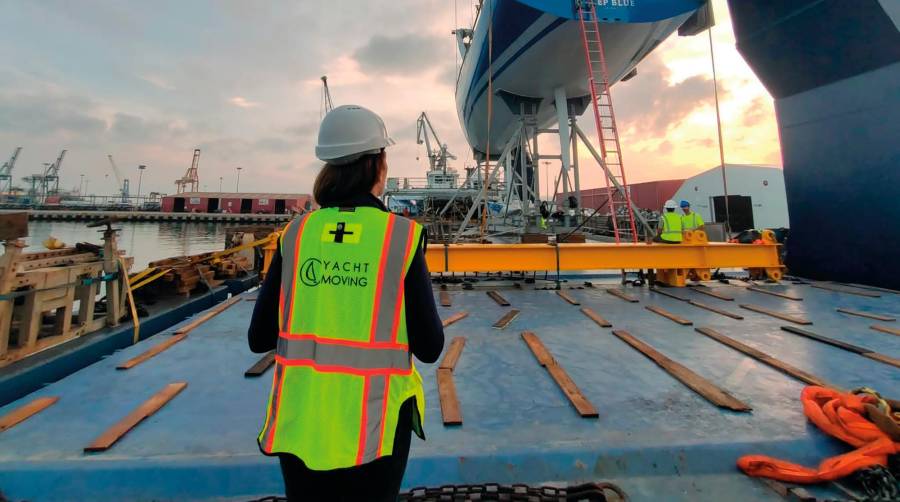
point(185, 274)
point(39, 291)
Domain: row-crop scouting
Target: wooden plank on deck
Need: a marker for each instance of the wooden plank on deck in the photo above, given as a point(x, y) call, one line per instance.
point(445, 299)
point(666, 293)
point(153, 351)
point(597, 318)
point(868, 294)
point(537, 348)
point(803, 376)
point(695, 382)
point(572, 392)
point(668, 315)
point(454, 318)
point(623, 295)
point(567, 297)
point(716, 310)
point(218, 309)
point(447, 395)
point(25, 412)
point(779, 294)
point(712, 292)
point(261, 366)
point(497, 297)
point(453, 352)
point(146, 409)
point(885, 329)
point(778, 315)
point(877, 317)
point(507, 318)
point(867, 353)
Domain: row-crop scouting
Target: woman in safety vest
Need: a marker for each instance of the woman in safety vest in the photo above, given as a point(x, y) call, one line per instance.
point(346, 303)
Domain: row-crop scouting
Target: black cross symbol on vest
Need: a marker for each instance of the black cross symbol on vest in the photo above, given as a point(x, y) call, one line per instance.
point(339, 233)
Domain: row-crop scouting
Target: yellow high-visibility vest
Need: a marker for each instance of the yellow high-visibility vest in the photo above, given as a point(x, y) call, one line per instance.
point(691, 221)
point(671, 227)
point(342, 366)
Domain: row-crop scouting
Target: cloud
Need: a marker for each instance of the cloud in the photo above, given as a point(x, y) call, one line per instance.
point(157, 81)
point(47, 114)
point(400, 55)
point(242, 102)
point(131, 128)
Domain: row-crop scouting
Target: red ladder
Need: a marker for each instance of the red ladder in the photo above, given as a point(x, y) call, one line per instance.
point(605, 117)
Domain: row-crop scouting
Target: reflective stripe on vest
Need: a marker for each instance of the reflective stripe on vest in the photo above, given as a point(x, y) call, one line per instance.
point(671, 227)
point(343, 367)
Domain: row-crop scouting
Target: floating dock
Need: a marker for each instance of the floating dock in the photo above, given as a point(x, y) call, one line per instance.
point(592, 400)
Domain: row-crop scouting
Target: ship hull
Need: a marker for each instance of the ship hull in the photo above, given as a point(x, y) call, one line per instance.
point(532, 53)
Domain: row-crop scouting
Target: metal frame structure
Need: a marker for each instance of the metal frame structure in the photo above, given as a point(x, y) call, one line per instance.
point(191, 177)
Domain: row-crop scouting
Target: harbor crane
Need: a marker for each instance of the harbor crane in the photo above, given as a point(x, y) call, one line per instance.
point(51, 175)
point(438, 154)
point(124, 184)
point(6, 173)
point(327, 104)
point(191, 177)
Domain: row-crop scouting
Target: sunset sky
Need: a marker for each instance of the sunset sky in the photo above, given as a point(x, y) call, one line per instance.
point(151, 81)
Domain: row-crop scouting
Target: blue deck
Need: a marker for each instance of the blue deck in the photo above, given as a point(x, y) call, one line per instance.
point(654, 436)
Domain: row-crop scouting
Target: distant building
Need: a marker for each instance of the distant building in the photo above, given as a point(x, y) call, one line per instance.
point(756, 195)
point(246, 203)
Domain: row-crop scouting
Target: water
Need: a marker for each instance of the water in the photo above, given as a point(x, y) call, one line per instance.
point(145, 241)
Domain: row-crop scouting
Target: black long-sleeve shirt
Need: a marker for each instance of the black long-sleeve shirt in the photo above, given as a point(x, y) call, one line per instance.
point(423, 325)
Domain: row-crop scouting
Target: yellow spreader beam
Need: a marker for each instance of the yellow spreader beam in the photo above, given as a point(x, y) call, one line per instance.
point(673, 263)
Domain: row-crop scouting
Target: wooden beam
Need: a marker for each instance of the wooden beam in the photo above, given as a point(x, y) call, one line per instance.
point(25, 412)
point(695, 382)
point(666, 293)
point(13, 226)
point(711, 292)
point(506, 319)
point(218, 309)
point(72, 259)
point(877, 317)
point(453, 352)
point(716, 310)
point(778, 315)
point(764, 358)
point(261, 366)
point(153, 351)
point(572, 392)
point(537, 348)
point(668, 315)
point(867, 294)
point(774, 293)
point(454, 318)
point(146, 409)
point(567, 297)
point(623, 295)
point(597, 318)
point(497, 297)
point(885, 329)
point(867, 353)
point(447, 395)
point(445, 299)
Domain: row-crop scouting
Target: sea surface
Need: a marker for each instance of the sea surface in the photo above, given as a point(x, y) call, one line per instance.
point(145, 241)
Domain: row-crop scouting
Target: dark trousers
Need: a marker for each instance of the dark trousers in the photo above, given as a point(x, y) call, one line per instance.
point(376, 481)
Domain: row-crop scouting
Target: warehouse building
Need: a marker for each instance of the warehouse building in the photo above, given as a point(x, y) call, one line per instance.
point(244, 203)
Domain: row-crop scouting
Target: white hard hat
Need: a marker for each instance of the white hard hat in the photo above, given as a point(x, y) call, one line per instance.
point(348, 132)
point(670, 204)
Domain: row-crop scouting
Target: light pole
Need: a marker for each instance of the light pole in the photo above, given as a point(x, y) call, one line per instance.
point(237, 186)
point(140, 178)
point(547, 178)
point(81, 186)
point(220, 184)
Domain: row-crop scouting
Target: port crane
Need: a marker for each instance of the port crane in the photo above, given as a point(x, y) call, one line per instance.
point(124, 184)
point(41, 183)
point(191, 177)
point(327, 104)
point(437, 154)
point(6, 173)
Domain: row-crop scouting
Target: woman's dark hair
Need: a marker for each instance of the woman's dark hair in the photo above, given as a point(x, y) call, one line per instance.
point(338, 184)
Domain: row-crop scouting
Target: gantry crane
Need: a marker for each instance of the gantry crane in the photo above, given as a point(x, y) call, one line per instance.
point(6, 173)
point(124, 183)
point(191, 177)
point(437, 156)
point(51, 175)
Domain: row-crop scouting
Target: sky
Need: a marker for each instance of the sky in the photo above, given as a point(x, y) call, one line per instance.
point(147, 82)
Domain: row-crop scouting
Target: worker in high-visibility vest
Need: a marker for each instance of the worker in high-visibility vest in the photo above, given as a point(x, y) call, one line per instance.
point(669, 226)
point(346, 303)
point(690, 220)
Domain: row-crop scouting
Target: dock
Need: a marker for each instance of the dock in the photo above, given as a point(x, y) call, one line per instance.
point(77, 215)
point(519, 412)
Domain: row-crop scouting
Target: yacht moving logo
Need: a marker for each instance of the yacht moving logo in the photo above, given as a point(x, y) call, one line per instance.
point(314, 272)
